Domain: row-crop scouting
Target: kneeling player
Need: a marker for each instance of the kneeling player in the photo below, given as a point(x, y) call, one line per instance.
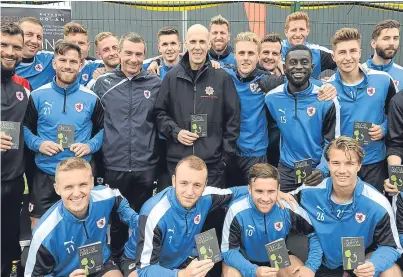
point(78, 220)
point(255, 220)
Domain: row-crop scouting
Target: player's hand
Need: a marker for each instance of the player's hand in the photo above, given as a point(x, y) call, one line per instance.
point(154, 68)
point(375, 132)
point(187, 138)
point(365, 270)
point(50, 148)
point(315, 178)
point(197, 268)
point(280, 67)
point(390, 188)
point(80, 149)
point(5, 143)
point(302, 271)
point(265, 271)
point(325, 79)
point(215, 64)
point(287, 198)
point(78, 273)
point(98, 72)
point(327, 92)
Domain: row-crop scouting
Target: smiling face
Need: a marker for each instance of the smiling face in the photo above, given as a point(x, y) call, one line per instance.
point(346, 55)
point(11, 51)
point(197, 44)
point(298, 67)
point(81, 40)
point(264, 193)
point(343, 167)
point(297, 32)
point(169, 47)
point(132, 55)
point(74, 187)
point(247, 57)
point(107, 50)
point(387, 43)
point(270, 55)
point(67, 67)
point(219, 37)
point(33, 37)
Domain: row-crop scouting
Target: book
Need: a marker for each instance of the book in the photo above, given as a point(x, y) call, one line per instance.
point(396, 176)
point(11, 129)
point(302, 169)
point(65, 135)
point(90, 257)
point(199, 124)
point(278, 254)
point(353, 252)
point(360, 132)
point(207, 246)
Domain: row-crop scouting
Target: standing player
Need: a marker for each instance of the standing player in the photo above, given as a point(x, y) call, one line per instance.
point(220, 36)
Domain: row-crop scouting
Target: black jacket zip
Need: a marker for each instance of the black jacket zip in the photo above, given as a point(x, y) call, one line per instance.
point(85, 229)
point(265, 227)
point(65, 99)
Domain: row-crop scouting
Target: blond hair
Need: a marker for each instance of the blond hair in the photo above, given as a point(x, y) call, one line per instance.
point(103, 35)
point(30, 19)
point(346, 144)
point(74, 28)
point(346, 34)
point(297, 16)
point(219, 20)
point(193, 162)
point(263, 171)
point(249, 36)
point(72, 164)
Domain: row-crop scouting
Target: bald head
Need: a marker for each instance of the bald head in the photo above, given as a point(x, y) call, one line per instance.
point(197, 29)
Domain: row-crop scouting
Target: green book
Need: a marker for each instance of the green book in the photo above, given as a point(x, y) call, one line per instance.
point(353, 252)
point(278, 254)
point(396, 176)
point(207, 246)
point(65, 135)
point(199, 124)
point(11, 129)
point(90, 257)
point(302, 169)
point(360, 132)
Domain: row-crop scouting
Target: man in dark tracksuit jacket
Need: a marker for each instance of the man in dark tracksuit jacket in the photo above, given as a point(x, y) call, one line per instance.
point(128, 95)
point(208, 91)
point(14, 101)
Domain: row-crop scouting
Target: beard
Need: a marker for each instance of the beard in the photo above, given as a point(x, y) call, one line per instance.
point(382, 53)
point(6, 68)
point(66, 79)
point(298, 83)
point(112, 63)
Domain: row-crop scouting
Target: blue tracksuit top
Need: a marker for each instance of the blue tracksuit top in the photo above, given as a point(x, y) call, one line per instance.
point(40, 71)
point(51, 105)
point(57, 236)
point(393, 69)
point(88, 69)
point(253, 139)
point(321, 57)
point(247, 230)
point(165, 237)
point(369, 215)
point(367, 102)
point(225, 59)
point(306, 124)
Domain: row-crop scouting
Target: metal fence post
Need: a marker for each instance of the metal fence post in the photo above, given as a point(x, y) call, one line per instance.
point(295, 6)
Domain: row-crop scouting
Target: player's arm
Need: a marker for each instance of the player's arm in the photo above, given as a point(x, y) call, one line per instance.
point(389, 96)
point(231, 242)
point(97, 119)
point(301, 223)
point(326, 61)
point(222, 197)
point(394, 138)
point(148, 248)
point(125, 212)
point(30, 127)
point(269, 82)
point(232, 120)
point(387, 240)
point(40, 261)
point(398, 208)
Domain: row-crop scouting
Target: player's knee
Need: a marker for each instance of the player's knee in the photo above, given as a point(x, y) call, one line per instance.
point(113, 273)
point(228, 271)
point(393, 271)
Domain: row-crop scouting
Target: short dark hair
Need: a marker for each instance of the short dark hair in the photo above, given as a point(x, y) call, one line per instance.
point(264, 171)
point(385, 24)
point(299, 47)
point(62, 46)
point(74, 28)
point(11, 28)
point(165, 31)
point(273, 38)
point(30, 19)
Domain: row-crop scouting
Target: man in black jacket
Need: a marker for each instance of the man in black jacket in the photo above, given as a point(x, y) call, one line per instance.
point(193, 89)
point(14, 101)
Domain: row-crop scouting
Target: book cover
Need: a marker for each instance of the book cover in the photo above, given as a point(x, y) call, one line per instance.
point(65, 135)
point(11, 129)
point(90, 257)
point(396, 176)
point(207, 246)
point(278, 254)
point(360, 132)
point(353, 252)
point(302, 169)
point(199, 124)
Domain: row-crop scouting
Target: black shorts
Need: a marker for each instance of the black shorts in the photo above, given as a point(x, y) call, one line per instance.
point(43, 194)
point(323, 271)
point(127, 265)
point(109, 265)
point(374, 174)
